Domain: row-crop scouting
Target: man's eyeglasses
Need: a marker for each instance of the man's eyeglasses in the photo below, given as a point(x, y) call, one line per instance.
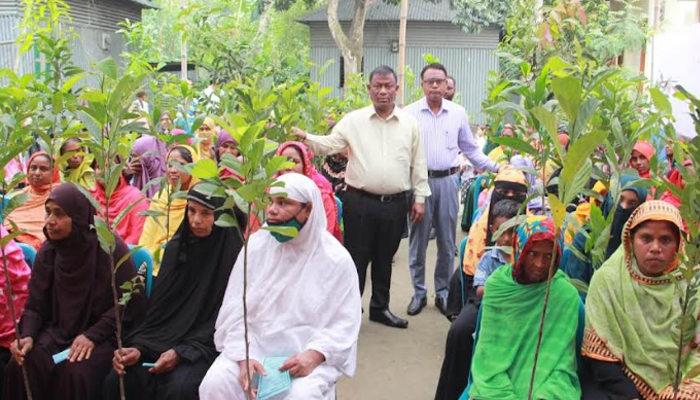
point(433, 81)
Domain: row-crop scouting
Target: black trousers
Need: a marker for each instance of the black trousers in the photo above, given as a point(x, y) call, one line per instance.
point(4, 360)
point(459, 349)
point(182, 383)
point(372, 234)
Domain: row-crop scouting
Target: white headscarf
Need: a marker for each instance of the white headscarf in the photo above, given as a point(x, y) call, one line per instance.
point(302, 294)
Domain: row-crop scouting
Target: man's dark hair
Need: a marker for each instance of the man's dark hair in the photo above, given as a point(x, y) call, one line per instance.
point(383, 70)
point(453, 80)
point(141, 93)
point(437, 66)
point(505, 208)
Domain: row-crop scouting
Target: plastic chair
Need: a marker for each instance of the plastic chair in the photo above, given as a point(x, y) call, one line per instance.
point(579, 342)
point(29, 253)
point(142, 259)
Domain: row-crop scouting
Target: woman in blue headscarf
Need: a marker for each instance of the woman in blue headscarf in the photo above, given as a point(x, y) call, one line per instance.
point(631, 197)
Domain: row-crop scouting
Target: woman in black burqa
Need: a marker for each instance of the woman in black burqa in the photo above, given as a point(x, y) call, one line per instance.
point(177, 334)
point(70, 305)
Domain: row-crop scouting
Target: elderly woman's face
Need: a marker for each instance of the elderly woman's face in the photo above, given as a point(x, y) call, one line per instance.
point(40, 171)
point(283, 209)
point(655, 244)
point(201, 219)
point(74, 160)
point(537, 261)
point(58, 223)
point(229, 148)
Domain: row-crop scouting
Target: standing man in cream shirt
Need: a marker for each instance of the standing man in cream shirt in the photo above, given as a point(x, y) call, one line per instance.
point(387, 176)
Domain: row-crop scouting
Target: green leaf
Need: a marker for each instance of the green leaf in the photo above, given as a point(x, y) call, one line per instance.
point(205, 168)
point(68, 84)
point(14, 202)
point(105, 236)
point(10, 236)
point(549, 121)
point(580, 182)
point(226, 220)
point(516, 143)
point(578, 153)
point(585, 112)
point(108, 67)
point(567, 91)
point(558, 210)
point(660, 100)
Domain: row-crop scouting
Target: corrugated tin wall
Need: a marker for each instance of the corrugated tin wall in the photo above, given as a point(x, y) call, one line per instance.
point(468, 58)
point(8, 7)
point(103, 13)
point(92, 19)
point(8, 51)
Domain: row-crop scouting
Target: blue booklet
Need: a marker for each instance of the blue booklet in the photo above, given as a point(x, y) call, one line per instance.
point(275, 382)
point(61, 357)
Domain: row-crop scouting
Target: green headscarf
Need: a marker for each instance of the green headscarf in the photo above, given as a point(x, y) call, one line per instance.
point(510, 320)
point(83, 175)
point(631, 318)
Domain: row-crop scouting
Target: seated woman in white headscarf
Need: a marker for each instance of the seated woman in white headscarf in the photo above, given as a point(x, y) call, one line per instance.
point(303, 303)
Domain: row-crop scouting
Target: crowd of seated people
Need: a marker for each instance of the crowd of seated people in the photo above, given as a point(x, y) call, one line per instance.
point(63, 298)
point(615, 340)
point(189, 332)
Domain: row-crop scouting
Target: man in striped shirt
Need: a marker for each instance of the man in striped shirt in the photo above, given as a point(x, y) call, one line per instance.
point(446, 132)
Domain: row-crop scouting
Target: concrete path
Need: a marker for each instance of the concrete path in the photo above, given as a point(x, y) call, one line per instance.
point(397, 363)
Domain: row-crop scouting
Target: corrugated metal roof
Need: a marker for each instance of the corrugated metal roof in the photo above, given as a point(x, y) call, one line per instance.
point(144, 3)
point(418, 10)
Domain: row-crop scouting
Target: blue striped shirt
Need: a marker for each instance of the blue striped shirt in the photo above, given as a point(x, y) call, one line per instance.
point(445, 134)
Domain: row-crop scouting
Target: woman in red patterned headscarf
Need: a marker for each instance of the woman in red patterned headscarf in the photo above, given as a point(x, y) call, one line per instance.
point(302, 157)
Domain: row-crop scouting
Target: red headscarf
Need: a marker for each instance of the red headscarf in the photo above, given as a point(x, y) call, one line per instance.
point(131, 226)
point(647, 150)
point(322, 183)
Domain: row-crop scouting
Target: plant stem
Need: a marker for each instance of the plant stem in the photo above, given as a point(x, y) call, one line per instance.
point(677, 379)
point(249, 393)
point(115, 294)
point(13, 312)
point(541, 330)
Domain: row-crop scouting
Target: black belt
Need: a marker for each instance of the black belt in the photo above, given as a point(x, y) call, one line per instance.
point(443, 173)
point(384, 198)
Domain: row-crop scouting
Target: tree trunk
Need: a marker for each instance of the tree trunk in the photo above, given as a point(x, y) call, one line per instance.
point(183, 48)
point(351, 44)
point(264, 23)
point(402, 53)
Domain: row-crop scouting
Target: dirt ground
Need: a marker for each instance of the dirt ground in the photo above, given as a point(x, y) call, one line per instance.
point(400, 363)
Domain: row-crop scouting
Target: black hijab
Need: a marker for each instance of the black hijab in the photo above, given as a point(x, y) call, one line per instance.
point(189, 290)
point(70, 291)
point(520, 198)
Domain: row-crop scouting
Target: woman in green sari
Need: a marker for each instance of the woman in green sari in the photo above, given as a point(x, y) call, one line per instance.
point(510, 319)
point(631, 337)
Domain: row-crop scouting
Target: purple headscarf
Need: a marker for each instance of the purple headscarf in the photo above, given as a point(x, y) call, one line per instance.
point(224, 137)
point(152, 151)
